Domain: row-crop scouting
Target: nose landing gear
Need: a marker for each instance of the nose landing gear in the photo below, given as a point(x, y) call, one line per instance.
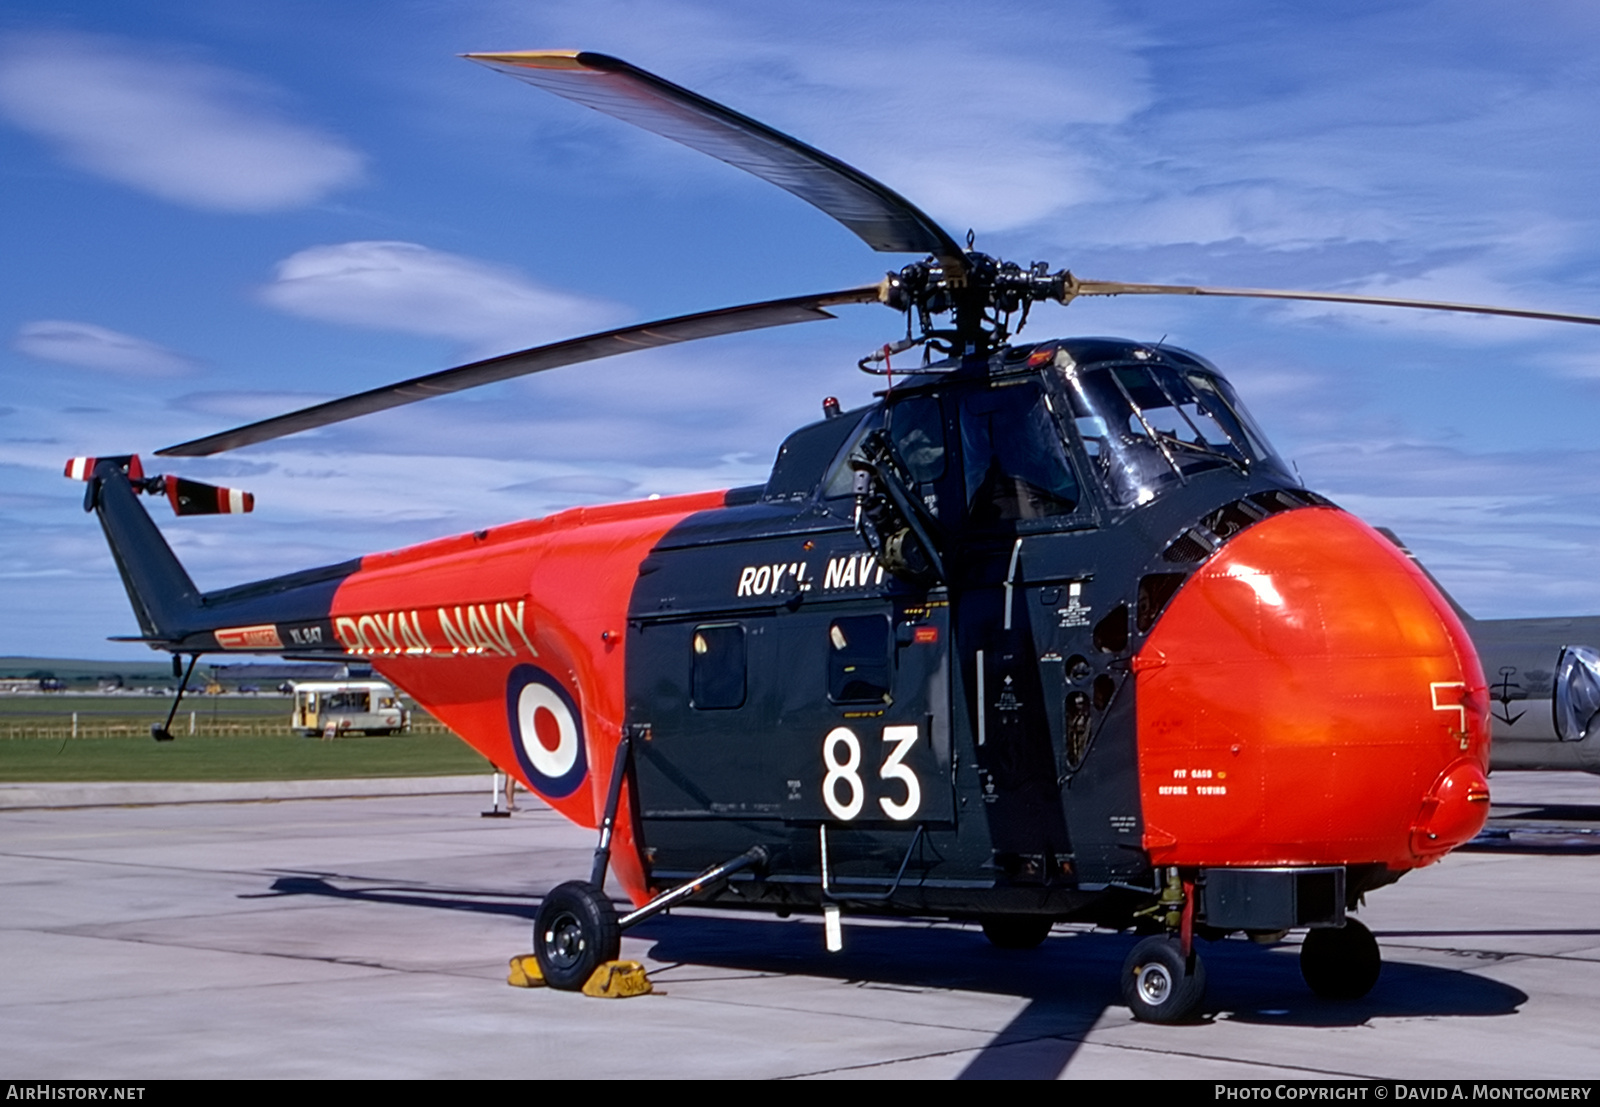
point(1160, 984)
point(1340, 962)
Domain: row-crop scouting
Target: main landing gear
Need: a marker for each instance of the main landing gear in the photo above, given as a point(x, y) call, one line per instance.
point(578, 930)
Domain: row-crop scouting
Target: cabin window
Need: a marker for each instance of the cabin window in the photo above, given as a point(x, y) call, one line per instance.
point(717, 666)
point(859, 659)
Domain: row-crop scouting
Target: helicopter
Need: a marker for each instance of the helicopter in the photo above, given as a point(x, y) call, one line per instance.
point(1544, 685)
point(1046, 632)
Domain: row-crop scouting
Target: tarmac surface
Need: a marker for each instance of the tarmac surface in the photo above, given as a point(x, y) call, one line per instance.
point(368, 938)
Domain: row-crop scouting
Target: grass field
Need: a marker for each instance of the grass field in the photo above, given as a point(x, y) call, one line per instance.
point(234, 738)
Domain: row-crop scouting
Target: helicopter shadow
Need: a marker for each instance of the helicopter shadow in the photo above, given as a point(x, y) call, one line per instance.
point(1566, 829)
point(470, 900)
point(1068, 983)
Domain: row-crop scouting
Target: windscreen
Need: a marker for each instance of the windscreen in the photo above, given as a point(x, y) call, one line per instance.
point(1147, 426)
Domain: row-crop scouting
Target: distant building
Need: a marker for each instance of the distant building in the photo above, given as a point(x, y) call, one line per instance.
point(12, 686)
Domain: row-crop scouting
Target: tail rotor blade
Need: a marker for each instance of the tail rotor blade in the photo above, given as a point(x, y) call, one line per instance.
point(192, 497)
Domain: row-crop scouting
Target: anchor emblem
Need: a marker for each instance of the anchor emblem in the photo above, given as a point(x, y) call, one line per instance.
point(1503, 696)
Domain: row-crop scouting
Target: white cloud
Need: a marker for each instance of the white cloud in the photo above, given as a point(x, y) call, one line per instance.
point(400, 286)
point(149, 117)
point(91, 347)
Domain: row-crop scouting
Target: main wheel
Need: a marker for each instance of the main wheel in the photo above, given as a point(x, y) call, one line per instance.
point(1341, 963)
point(1016, 931)
point(576, 932)
point(1159, 984)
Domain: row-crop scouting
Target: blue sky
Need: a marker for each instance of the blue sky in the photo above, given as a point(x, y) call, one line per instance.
point(218, 212)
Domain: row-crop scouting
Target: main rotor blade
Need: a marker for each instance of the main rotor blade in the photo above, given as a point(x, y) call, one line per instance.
point(883, 218)
point(662, 332)
point(1076, 288)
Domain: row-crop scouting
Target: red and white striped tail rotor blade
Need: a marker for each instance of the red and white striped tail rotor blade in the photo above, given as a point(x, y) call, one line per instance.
point(192, 497)
point(82, 468)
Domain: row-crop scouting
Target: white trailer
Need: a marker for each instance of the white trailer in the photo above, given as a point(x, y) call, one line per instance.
point(344, 706)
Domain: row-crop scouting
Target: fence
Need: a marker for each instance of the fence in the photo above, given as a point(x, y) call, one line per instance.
point(198, 725)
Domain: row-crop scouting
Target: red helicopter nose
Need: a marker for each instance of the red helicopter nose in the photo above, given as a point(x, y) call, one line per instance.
point(1309, 698)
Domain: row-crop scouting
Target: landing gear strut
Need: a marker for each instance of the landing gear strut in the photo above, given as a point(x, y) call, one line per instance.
point(162, 732)
point(1342, 962)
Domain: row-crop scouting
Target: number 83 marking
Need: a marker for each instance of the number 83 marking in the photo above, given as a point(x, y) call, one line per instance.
point(842, 789)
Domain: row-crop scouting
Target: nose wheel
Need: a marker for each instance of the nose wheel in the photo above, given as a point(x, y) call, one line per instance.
point(1341, 962)
point(1160, 984)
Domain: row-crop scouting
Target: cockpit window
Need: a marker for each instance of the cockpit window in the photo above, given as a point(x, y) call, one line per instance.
point(1148, 425)
point(917, 430)
point(1012, 456)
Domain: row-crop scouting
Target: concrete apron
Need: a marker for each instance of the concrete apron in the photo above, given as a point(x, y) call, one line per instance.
point(150, 793)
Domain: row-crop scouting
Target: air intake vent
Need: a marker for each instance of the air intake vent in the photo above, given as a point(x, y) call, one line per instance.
point(1191, 547)
point(1154, 592)
point(1283, 499)
point(1225, 522)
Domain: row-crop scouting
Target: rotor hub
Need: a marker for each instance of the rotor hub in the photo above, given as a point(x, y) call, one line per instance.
point(982, 295)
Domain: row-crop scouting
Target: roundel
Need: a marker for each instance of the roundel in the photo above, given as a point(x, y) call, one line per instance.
point(546, 731)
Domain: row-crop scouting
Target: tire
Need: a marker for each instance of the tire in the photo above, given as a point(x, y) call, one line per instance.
point(1159, 984)
point(575, 933)
point(1341, 963)
point(1016, 931)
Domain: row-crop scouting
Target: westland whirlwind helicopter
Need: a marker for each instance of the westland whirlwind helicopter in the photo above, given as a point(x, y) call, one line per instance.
point(1047, 632)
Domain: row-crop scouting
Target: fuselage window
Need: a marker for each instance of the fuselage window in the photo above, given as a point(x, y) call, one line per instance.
point(859, 659)
point(1015, 465)
point(718, 666)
